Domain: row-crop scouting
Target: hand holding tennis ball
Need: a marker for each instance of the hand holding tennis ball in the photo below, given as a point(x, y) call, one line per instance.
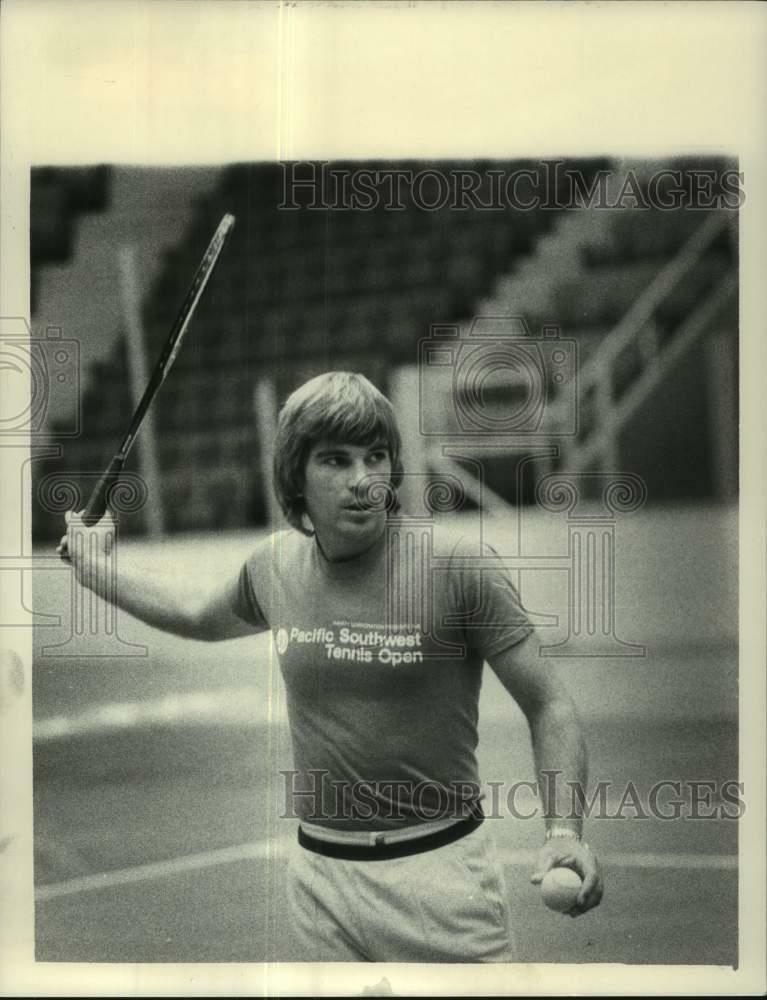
point(560, 888)
point(569, 875)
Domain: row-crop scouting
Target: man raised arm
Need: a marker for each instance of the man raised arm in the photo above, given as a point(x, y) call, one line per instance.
point(182, 605)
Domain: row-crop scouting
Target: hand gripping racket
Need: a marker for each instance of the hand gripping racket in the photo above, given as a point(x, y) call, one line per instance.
point(99, 499)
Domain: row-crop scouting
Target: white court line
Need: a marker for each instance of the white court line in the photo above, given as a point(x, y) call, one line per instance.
point(232, 706)
point(258, 850)
point(701, 862)
point(161, 869)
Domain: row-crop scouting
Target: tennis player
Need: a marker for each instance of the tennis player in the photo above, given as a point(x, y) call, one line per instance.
point(395, 861)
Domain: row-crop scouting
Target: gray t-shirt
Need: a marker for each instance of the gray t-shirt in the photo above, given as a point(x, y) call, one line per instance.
point(382, 659)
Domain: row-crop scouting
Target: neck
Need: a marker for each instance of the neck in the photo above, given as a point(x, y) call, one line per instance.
point(339, 554)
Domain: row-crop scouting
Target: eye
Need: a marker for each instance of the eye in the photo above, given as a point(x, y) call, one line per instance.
point(376, 457)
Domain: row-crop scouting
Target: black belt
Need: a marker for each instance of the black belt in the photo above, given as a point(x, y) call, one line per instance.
point(384, 852)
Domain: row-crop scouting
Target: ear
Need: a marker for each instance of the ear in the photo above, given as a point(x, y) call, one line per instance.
point(306, 524)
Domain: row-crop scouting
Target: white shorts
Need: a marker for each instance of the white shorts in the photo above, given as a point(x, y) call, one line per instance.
point(448, 904)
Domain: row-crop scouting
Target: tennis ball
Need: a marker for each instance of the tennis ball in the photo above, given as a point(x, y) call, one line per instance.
point(560, 888)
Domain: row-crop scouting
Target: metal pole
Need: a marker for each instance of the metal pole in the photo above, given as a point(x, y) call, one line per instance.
point(265, 406)
point(148, 463)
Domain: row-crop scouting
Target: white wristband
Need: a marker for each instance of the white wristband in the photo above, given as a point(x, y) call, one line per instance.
point(562, 831)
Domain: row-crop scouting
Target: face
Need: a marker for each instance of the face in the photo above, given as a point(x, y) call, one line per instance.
point(344, 524)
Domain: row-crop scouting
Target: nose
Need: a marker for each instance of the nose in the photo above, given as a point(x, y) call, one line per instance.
point(356, 473)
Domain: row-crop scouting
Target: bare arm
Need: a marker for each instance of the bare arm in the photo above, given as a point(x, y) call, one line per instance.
point(558, 745)
point(171, 603)
point(561, 763)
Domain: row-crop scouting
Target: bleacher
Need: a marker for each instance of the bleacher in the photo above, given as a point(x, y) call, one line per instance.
point(613, 267)
point(300, 291)
point(642, 243)
point(296, 293)
point(58, 196)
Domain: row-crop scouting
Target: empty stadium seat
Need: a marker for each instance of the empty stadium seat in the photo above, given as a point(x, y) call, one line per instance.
point(297, 293)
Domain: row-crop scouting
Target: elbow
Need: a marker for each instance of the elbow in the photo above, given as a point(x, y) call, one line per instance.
point(202, 626)
point(209, 633)
point(558, 710)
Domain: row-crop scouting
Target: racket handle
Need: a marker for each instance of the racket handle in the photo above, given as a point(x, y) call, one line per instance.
point(97, 505)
